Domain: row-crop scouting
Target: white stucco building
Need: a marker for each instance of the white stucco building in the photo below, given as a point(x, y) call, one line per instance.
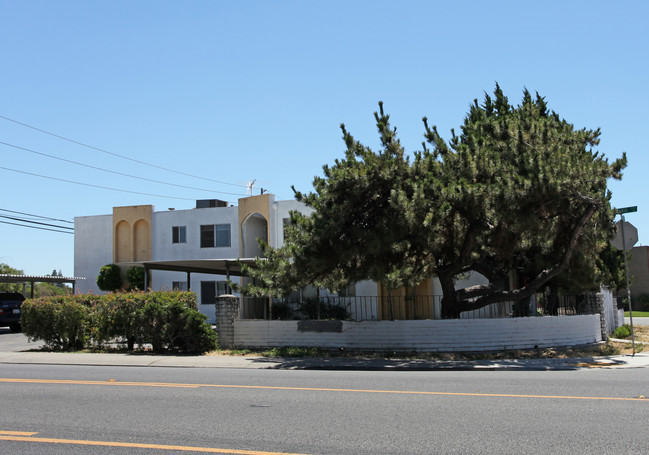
point(175, 246)
point(212, 230)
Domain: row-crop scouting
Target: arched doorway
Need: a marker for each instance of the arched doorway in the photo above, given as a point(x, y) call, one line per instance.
point(254, 227)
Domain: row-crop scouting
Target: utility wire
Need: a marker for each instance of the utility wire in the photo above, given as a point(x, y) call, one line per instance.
point(96, 186)
point(118, 155)
point(114, 172)
point(37, 216)
point(36, 227)
point(36, 222)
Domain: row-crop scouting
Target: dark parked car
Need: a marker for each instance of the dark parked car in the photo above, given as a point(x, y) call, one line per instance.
point(10, 303)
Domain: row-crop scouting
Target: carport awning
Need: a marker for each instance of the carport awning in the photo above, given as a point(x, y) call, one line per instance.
point(9, 278)
point(227, 267)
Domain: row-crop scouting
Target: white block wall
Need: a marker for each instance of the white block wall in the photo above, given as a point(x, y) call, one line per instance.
point(427, 335)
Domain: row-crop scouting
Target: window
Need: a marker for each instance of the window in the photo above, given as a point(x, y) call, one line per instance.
point(222, 235)
point(212, 289)
point(215, 235)
point(179, 285)
point(208, 292)
point(179, 234)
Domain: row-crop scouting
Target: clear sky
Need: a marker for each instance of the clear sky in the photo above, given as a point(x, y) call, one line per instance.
point(225, 92)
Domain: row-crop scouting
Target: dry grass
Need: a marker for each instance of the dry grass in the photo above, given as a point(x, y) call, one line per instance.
point(641, 338)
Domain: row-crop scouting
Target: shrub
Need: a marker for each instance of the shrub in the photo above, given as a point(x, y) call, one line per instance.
point(61, 322)
point(135, 278)
point(109, 278)
point(118, 316)
point(175, 325)
point(169, 320)
point(623, 331)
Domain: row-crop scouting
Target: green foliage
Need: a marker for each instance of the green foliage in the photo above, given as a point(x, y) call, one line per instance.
point(623, 331)
point(50, 289)
point(519, 189)
point(168, 320)
point(135, 278)
point(61, 322)
point(174, 327)
point(109, 278)
point(116, 316)
point(10, 287)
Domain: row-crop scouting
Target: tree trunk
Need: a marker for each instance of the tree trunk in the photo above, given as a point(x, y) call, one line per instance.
point(450, 302)
point(552, 306)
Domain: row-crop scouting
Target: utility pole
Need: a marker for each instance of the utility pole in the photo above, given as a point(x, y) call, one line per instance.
point(633, 238)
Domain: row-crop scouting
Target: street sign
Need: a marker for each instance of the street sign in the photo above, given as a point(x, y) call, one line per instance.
point(626, 210)
point(630, 236)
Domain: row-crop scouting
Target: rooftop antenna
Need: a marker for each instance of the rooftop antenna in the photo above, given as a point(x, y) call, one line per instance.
point(250, 185)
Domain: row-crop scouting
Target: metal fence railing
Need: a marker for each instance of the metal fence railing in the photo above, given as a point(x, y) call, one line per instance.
point(368, 308)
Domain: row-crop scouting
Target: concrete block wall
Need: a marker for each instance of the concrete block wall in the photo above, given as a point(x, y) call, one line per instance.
point(426, 335)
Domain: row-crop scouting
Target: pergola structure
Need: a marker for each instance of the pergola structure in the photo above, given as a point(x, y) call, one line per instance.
point(226, 267)
point(24, 279)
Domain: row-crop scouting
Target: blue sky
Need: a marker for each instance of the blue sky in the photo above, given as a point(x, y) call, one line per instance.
point(231, 91)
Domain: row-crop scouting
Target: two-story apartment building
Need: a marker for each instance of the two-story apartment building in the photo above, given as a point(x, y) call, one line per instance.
point(198, 249)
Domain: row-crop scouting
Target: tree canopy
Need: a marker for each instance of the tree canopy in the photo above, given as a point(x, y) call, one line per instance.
point(519, 189)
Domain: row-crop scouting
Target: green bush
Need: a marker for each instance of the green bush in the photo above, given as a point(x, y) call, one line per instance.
point(176, 325)
point(109, 278)
point(60, 321)
point(623, 331)
point(118, 317)
point(168, 320)
point(135, 278)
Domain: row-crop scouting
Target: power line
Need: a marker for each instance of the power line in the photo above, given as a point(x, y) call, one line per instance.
point(118, 155)
point(22, 220)
point(37, 216)
point(114, 172)
point(95, 186)
point(36, 227)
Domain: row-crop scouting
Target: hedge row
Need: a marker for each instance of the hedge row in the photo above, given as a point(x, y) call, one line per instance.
point(167, 320)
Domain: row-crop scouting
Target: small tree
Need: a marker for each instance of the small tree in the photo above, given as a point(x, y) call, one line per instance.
point(109, 278)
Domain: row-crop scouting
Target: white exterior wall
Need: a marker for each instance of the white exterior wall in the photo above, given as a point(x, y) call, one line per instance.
point(427, 335)
point(164, 250)
point(280, 210)
point(93, 248)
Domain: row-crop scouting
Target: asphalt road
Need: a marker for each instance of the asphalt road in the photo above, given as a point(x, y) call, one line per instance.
point(63, 409)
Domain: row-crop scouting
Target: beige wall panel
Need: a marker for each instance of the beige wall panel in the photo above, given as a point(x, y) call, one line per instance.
point(123, 250)
point(142, 241)
point(132, 228)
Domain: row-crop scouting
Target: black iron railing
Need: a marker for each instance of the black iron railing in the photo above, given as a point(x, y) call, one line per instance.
point(368, 308)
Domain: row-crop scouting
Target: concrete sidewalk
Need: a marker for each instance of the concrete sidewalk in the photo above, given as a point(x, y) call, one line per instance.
point(302, 363)
point(18, 352)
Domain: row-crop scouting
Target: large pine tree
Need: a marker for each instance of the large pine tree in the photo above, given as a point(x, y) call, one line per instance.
point(519, 189)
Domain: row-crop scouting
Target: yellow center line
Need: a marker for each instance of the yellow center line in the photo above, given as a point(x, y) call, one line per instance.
point(139, 445)
point(18, 433)
point(309, 389)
